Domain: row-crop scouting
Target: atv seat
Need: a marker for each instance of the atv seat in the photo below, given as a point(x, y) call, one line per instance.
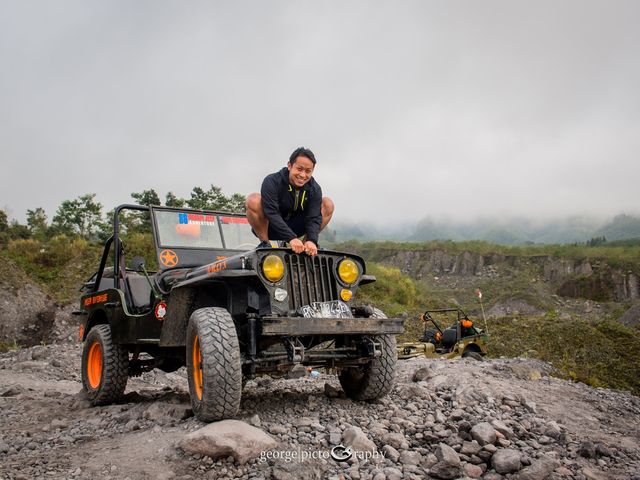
point(140, 290)
point(449, 337)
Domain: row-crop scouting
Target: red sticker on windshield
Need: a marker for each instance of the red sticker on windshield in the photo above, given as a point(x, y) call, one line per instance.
point(234, 220)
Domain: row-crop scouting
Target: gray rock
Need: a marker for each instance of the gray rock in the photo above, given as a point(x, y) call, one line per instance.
point(592, 474)
point(307, 470)
point(409, 457)
point(298, 371)
point(161, 412)
point(483, 433)
point(506, 460)
point(603, 450)
point(391, 453)
point(472, 471)
point(11, 391)
point(356, 438)
point(255, 421)
point(501, 427)
point(539, 469)
point(470, 448)
point(335, 438)
point(228, 438)
point(333, 392)
point(278, 430)
point(422, 374)
point(446, 454)
point(587, 450)
point(445, 471)
point(553, 430)
point(392, 473)
point(492, 476)
point(396, 440)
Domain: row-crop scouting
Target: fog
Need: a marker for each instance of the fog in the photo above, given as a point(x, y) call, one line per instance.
point(457, 109)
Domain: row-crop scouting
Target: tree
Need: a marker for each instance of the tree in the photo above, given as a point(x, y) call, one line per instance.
point(146, 197)
point(214, 199)
point(237, 203)
point(4, 221)
point(37, 222)
point(172, 201)
point(81, 216)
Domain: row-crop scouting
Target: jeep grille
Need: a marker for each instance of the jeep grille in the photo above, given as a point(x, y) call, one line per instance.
point(310, 279)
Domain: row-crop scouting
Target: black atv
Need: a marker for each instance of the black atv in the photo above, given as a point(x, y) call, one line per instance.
point(228, 311)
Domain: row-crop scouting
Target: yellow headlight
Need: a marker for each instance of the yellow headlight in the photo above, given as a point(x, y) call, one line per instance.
point(273, 268)
point(346, 294)
point(348, 271)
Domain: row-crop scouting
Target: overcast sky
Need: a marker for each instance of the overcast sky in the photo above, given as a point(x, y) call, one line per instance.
point(449, 109)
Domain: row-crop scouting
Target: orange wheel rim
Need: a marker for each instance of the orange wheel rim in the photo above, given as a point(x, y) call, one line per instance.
point(94, 365)
point(197, 368)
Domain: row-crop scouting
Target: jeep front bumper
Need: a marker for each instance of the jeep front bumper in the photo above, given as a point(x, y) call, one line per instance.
point(299, 326)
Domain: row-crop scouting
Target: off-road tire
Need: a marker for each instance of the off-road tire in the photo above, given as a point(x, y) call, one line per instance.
point(216, 385)
point(105, 367)
point(474, 355)
point(375, 379)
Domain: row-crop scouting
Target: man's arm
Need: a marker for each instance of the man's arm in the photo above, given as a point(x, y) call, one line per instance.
point(313, 218)
point(269, 193)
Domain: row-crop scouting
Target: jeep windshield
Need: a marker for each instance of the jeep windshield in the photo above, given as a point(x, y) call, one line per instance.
point(203, 230)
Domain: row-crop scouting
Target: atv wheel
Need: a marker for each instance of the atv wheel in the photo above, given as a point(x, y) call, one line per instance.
point(105, 367)
point(213, 364)
point(375, 379)
point(473, 354)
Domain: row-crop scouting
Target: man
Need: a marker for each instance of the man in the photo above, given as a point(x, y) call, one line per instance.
point(290, 205)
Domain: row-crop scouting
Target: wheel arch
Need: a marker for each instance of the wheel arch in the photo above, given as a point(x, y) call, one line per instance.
point(97, 317)
point(472, 347)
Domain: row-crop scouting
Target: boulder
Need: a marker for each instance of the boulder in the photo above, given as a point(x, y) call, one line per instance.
point(228, 438)
point(409, 457)
point(446, 454)
point(391, 453)
point(356, 438)
point(540, 469)
point(396, 440)
point(483, 433)
point(506, 460)
point(445, 471)
point(472, 471)
point(422, 374)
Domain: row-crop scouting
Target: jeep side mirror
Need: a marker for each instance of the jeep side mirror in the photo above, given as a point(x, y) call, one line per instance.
point(138, 264)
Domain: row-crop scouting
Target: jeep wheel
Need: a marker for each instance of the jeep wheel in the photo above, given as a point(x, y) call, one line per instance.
point(214, 365)
point(375, 379)
point(105, 367)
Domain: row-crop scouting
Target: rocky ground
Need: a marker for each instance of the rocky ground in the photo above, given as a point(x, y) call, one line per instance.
point(444, 419)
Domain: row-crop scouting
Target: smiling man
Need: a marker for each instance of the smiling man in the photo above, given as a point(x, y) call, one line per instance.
point(290, 205)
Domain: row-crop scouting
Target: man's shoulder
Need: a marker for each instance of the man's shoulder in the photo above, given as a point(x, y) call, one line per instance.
point(275, 177)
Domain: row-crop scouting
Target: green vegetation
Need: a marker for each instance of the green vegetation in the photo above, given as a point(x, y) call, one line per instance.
point(600, 354)
point(604, 354)
point(62, 255)
point(614, 254)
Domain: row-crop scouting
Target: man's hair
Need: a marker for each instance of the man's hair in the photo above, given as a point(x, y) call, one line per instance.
point(302, 152)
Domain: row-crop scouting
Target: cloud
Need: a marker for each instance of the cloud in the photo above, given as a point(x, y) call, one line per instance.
point(449, 109)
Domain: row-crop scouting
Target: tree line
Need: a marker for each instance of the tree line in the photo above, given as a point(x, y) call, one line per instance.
point(84, 217)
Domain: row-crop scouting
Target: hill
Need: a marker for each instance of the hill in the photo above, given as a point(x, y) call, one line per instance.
point(510, 231)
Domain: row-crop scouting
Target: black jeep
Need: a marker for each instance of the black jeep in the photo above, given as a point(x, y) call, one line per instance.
point(228, 311)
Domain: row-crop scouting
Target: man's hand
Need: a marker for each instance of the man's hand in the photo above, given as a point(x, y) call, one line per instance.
point(296, 245)
point(310, 248)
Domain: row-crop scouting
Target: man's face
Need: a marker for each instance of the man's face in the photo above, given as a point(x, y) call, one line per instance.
point(300, 171)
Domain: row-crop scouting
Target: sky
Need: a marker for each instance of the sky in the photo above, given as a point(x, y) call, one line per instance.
point(447, 109)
